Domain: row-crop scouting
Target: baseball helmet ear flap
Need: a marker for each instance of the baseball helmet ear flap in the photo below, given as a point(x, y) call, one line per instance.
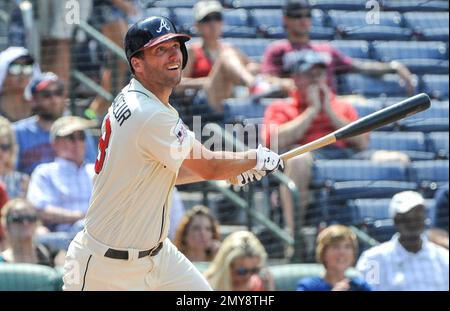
point(151, 31)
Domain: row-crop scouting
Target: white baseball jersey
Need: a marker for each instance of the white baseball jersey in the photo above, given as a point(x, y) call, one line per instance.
point(142, 147)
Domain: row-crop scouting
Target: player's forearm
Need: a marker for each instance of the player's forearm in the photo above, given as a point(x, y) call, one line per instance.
point(293, 131)
point(226, 165)
point(56, 215)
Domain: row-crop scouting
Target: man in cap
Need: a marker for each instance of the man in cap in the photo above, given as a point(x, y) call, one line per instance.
point(408, 261)
point(297, 22)
point(146, 149)
point(17, 67)
point(61, 189)
point(33, 133)
point(312, 112)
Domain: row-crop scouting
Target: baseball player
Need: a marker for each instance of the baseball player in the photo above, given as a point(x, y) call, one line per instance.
point(144, 151)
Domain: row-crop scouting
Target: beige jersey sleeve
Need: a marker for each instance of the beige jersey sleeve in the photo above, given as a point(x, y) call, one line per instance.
point(165, 138)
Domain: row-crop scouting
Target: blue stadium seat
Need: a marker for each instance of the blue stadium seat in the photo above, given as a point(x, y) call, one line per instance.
point(158, 11)
point(184, 20)
point(236, 24)
point(353, 48)
point(430, 171)
point(387, 85)
point(419, 57)
point(339, 5)
point(351, 170)
point(428, 25)
point(436, 86)
point(253, 48)
point(354, 25)
point(414, 5)
point(438, 143)
point(254, 4)
point(436, 118)
point(236, 110)
point(175, 4)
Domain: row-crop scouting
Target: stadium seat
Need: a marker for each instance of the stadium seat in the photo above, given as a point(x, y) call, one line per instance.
point(419, 57)
point(353, 48)
point(436, 86)
point(354, 25)
point(175, 4)
point(430, 171)
point(184, 20)
point(387, 85)
point(411, 143)
point(27, 277)
point(254, 4)
point(236, 110)
point(253, 48)
point(286, 276)
point(158, 11)
point(414, 5)
point(3, 30)
point(339, 5)
point(438, 143)
point(351, 170)
point(236, 24)
point(435, 118)
point(428, 25)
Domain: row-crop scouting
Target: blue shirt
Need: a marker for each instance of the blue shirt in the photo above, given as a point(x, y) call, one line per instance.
point(319, 284)
point(35, 147)
point(61, 184)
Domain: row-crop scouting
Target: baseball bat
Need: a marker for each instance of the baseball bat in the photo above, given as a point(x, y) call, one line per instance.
point(403, 109)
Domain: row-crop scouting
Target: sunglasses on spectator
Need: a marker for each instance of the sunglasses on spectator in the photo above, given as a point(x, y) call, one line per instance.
point(20, 219)
point(81, 136)
point(298, 15)
point(245, 271)
point(5, 147)
point(211, 18)
point(18, 69)
point(47, 93)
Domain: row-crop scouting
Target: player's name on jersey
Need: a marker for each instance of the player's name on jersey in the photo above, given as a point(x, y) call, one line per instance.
point(121, 110)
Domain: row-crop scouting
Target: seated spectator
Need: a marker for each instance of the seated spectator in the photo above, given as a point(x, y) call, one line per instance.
point(3, 200)
point(215, 67)
point(17, 67)
point(197, 236)
point(33, 133)
point(61, 189)
point(438, 236)
point(16, 182)
point(441, 207)
point(297, 22)
point(20, 222)
point(312, 112)
point(408, 262)
point(240, 265)
point(337, 247)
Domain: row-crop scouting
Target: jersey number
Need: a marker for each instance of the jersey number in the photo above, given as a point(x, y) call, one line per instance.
point(103, 145)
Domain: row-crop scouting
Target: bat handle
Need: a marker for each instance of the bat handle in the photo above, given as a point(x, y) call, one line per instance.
point(318, 143)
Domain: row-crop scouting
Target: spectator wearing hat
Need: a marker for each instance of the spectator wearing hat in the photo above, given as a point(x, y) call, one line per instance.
point(61, 189)
point(33, 133)
point(215, 67)
point(311, 112)
point(408, 262)
point(297, 22)
point(17, 67)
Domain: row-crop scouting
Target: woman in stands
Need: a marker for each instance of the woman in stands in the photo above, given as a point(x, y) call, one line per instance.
point(20, 222)
point(337, 247)
point(197, 236)
point(215, 67)
point(240, 265)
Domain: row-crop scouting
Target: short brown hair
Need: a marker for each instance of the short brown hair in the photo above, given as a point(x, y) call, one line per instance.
point(332, 235)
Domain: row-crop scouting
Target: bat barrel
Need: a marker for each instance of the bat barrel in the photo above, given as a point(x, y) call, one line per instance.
point(385, 116)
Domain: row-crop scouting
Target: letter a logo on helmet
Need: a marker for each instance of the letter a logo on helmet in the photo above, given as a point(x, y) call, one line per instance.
point(151, 31)
point(163, 25)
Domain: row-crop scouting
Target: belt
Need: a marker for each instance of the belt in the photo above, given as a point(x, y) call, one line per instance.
point(120, 254)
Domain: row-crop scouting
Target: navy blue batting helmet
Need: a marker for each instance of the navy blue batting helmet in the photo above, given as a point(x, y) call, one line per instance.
point(151, 31)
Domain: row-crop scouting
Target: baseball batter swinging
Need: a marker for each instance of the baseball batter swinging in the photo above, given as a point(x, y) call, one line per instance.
point(144, 151)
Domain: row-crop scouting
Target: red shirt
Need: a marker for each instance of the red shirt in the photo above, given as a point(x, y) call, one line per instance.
point(281, 112)
point(3, 200)
point(272, 62)
point(202, 64)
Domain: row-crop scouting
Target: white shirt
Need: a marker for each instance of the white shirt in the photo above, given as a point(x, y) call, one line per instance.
point(390, 267)
point(61, 184)
point(132, 193)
